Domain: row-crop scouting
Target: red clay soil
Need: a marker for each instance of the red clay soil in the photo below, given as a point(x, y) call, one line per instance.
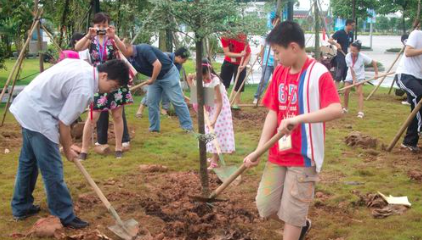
point(168, 212)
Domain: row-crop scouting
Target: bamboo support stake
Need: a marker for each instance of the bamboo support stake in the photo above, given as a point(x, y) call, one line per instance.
point(21, 55)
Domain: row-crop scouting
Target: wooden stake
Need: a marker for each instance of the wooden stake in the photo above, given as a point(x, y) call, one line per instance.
point(21, 54)
point(238, 74)
point(360, 83)
point(405, 125)
point(6, 109)
point(382, 80)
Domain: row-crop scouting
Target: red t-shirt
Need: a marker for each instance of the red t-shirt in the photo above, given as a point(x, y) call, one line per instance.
point(277, 99)
point(236, 46)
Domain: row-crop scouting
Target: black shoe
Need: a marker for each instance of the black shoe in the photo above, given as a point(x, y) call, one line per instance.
point(31, 212)
point(413, 149)
point(83, 156)
point(76, 223)
point(119, 154)
point(305, 229)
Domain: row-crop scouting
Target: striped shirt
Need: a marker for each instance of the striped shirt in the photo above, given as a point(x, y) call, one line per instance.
point(313, 90)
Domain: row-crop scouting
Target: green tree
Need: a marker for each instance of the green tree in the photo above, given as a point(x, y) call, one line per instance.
point(408, 9)
point(203, 18)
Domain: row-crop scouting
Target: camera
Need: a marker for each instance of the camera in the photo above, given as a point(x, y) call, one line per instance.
point(101, 32)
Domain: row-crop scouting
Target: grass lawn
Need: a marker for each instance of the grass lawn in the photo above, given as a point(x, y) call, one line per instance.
point(337, 215)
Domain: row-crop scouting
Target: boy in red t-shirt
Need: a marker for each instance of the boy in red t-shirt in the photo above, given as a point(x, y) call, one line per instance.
point(234, 49)
point(302, 96)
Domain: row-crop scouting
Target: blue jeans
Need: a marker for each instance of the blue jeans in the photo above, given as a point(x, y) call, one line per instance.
point(165, 101)
point(39, 152)
point(169, 85)
point(264, 80)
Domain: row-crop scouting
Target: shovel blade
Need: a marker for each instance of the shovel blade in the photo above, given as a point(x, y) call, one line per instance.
point(224, 172)
point(128, 232)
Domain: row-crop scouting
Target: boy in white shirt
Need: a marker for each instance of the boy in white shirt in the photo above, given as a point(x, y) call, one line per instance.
point(356, 62)
point(409, 78)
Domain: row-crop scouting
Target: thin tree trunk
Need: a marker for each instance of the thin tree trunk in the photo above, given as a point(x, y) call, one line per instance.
point(403, 23)
point(63, 22)
point(201, 124)
point(317, 28)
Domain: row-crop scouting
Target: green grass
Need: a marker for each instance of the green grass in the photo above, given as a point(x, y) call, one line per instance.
point(338, 217)
point(30, 68)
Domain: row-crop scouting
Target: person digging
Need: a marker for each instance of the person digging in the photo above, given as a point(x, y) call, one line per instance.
point(45, 109)
point(301, 98)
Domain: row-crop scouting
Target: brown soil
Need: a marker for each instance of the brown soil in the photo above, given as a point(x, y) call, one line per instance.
point(10, 136)
point(415, 175)
point(358, 139)
point(169, 212)
point(252, 118)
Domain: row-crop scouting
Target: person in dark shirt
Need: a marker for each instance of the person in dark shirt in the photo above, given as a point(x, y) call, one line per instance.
point(179, 57)
point(342, 40)
point(164, 79)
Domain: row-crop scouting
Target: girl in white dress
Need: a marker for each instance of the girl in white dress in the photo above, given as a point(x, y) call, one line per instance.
point(220, 115)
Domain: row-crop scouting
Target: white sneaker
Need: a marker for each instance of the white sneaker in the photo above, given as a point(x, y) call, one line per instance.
point(405, 103)
point(361, 114)
point(345, 110)
point(255, 101)
point(126, 146)
point(97, 144)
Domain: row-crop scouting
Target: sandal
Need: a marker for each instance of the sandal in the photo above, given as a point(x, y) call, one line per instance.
point(212, 165)
point(83, 156)
point(361, 114)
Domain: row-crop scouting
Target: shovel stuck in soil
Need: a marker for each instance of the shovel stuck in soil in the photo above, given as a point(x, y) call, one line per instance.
point(127, 230)
point(223, 172)
point(222, 187)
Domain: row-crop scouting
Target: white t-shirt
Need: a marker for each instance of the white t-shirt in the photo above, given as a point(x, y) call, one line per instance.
point(358, 66)
point(412, 65)
point(60, 93)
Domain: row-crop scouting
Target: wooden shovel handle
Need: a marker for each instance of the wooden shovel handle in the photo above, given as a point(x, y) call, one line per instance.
point(258, 153)
point(93, 184)
point(138, 86)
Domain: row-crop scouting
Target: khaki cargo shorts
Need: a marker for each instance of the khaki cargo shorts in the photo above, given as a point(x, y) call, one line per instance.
point(287, 192)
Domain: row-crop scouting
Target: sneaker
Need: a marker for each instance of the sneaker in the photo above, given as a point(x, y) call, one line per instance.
point(413, 149)
point(361, 114)
point(154, 131)
point(255, 101)
point(345, 110)
point(126, 146)
point(31, 212)
point(305, 229)
point(76, 223)
point(405, 103)
point(97, 144)
point(119, 154)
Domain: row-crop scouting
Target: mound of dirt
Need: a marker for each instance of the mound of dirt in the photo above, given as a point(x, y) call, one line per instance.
point(153, 168)
point(357, 139)
point(415, 175)
point(186, 219)
point(48, 227)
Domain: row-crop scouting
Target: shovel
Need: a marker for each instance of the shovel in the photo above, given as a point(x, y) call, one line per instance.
point(127, 230)
point(213, 196)
point(223, 172)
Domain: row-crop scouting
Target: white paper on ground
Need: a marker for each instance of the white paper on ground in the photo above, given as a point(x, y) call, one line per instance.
point(396, 200)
